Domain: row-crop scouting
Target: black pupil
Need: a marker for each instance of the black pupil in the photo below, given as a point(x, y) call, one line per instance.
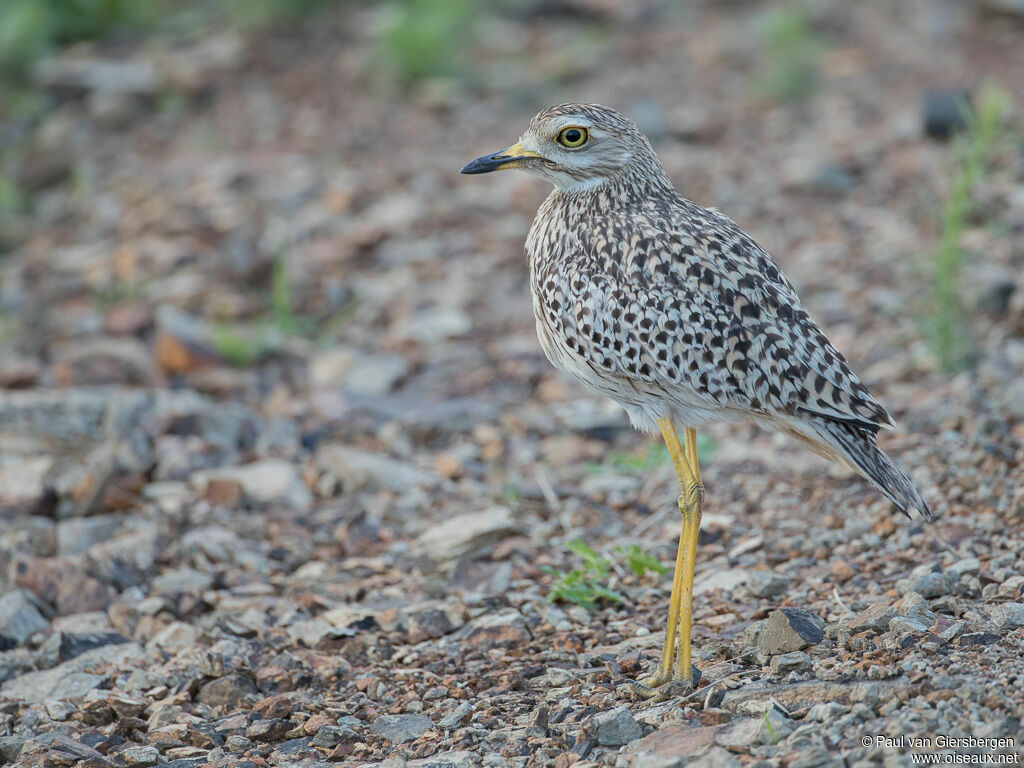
point(573, 136)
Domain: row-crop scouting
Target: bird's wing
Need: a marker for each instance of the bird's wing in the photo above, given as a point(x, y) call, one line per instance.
point(690, 301)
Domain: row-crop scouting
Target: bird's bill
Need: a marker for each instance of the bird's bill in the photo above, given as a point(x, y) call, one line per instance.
point(512, 157)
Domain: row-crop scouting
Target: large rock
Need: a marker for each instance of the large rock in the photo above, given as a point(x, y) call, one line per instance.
point(270, 481)
point(1007, 616)
point(874, 618)
point(790, 629)
point(469, 535)
point(227, 691)
point(358, 469)
point(672, 746)
point(75, 677)
point(617, 727)
point(400, 729)
point(19, 619)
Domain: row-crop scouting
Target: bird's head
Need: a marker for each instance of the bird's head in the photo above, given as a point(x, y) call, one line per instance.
point(575, 147)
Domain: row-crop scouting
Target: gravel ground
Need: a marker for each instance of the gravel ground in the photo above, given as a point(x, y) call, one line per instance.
point(283, 468)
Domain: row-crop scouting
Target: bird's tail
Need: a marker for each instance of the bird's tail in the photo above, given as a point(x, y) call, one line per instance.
point(856, 446)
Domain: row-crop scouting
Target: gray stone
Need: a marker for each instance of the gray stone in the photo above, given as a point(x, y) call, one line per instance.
point(140, 756)
point(183, 581)
point(874, 618)
point(790, 629)
point(10, 747)
point(330, 736)
point(176, 637)
point(19, 619)
point(767, 583)
point(716, 757)
point(272, 729)
point(353, 370)
point(967, 566)
point(400, 729)
point(775, 726)
point(826, 711)
point(356, 469)
point(928, 582)
point(75, 677)
point(794, 661)
point(617, 727)
point(1007, 616)
point(268, 481)
point(458, 716)
point(469, 535)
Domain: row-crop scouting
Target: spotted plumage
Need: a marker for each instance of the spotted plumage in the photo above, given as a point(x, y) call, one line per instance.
point(674, 312)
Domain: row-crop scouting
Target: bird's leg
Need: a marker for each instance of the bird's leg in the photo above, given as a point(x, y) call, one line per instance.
point(681, 600)
point(694, 510)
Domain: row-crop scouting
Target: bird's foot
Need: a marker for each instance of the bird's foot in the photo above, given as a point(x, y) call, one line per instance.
point(663, 685)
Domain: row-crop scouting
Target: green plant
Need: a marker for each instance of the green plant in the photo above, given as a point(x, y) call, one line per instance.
point(945, 321)
point(425, 38)
point(583, 585)
point(237, 348)
point(640, 563)
point(652, 456)
point(255, 14)
point(30, 28)
point(790, 66)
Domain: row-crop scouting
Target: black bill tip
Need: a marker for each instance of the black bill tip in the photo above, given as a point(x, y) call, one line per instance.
point(486, 164)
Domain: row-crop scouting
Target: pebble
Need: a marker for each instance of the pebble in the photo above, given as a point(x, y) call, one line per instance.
point(400, 729)
point(794, 661)
point(790, 629)
point(617, 727)
point(19, 618)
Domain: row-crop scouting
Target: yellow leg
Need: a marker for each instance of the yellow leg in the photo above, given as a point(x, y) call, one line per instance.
point(681, 602)
point(684, 670)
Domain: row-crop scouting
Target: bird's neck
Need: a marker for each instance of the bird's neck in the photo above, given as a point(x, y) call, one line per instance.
point(630, 186)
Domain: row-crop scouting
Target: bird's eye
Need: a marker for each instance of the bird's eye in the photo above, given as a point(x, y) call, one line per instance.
point(572, 137)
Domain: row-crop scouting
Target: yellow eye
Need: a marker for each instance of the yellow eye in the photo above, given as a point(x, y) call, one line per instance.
point(572, 137)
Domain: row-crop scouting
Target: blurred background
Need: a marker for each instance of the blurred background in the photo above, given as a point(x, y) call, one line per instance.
point(252, 319)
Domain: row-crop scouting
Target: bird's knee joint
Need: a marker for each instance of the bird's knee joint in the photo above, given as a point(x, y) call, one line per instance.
point(691, 499)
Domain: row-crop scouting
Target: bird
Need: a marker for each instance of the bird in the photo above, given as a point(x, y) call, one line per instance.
point(675, 313)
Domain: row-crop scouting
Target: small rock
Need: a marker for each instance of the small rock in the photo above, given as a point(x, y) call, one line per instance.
point(457, 717)
point(273, 729)
point(227, 691)
point(19, 619)
point(842, 571)
point(1007, 616)
point(58, 710)
point(330, 736)
point(617, 727)
point(466, 536)
point(506, 629)
point(767, 583)
point(355, 371)
point(399, 729)
point(775, 726)
point(357, 469)
point(716, 757)
point(968, 565)
point(794, 661)
point(77, 534)
point(176, 637)
point(269, 481)
point(944, 111)
point(928, 582)
point(874, 618)
point(183, 581)
point(790, 629)
point(140, 756)
point(826, 712)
